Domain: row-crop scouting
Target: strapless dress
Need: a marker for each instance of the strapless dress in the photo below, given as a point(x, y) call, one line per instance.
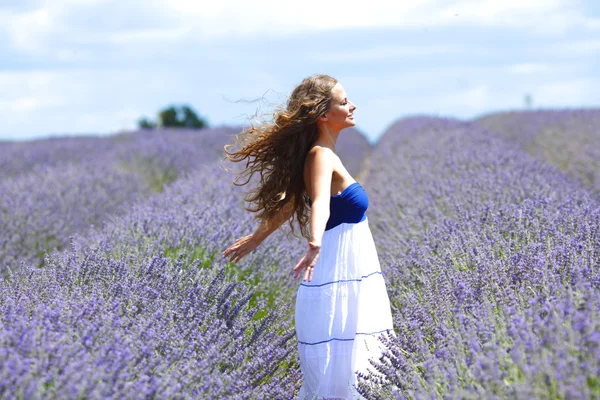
point(341, 312)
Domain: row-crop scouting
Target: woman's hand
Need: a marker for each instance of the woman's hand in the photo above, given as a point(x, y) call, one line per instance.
point(241, 247)
point(308, 261)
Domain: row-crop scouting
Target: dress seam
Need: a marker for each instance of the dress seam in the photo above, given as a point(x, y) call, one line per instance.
point(342, 339)
point(343, 280)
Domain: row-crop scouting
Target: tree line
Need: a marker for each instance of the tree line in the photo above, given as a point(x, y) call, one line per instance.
point(174, 116)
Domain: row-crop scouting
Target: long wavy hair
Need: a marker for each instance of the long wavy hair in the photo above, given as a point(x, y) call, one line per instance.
point(277, 151)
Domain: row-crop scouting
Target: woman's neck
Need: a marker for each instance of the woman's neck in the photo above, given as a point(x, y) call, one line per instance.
point(327, 137)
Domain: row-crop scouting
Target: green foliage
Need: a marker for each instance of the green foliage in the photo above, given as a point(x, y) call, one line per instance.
point(156, 175)
point(263, 288)
point(593, 383)
point(182, 116)
point(145, 123)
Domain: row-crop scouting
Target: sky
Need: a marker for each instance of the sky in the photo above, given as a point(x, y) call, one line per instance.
point(95, 67)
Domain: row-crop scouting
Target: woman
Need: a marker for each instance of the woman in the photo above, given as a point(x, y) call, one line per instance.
point(342, 304)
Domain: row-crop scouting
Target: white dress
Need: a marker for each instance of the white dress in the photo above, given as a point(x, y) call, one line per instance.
point(342, 310)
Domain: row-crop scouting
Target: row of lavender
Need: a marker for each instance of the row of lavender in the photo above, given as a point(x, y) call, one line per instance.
point(567, 138)
point(142, 307)
point(159, 149)
point(54, 188)
point(492, 262)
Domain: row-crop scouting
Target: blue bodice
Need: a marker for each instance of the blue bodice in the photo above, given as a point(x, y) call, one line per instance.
point(350, 206)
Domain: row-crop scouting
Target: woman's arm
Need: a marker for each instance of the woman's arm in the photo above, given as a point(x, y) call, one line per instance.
point(266, 228)
point(321, 169)
point(320, 160)
point(246, 244)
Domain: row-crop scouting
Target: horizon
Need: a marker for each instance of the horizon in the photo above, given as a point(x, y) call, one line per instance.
point(358, 129)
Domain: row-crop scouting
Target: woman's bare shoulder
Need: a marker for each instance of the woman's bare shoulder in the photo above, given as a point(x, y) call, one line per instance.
point(320, 152)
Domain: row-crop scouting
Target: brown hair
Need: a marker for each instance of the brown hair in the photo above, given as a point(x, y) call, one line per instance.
point(278, 150)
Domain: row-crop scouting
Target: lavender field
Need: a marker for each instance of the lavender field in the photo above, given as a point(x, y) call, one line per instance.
point(488, 232)
point(568, 138)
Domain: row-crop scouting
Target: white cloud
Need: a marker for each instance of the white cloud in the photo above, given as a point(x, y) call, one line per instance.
point(27, 29)
point(579, 47)
point(132, 37)
point(542, 16)
point(68, 101)
point(69, 23)
point(529, 68)
point(383, 52)
point(566, 91)
point(465, 102)
point(233, 16)
point(137, 20)
point(27, 91)
point(29, 104)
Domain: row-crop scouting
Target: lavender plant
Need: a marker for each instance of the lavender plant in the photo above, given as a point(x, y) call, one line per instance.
point(196, 218)
point(88, 326)
point(161, 157)
point(143, 308)
point(492, 267)
point(65, 193)
point(178, 148)
point(22, 157)
point(40, 209)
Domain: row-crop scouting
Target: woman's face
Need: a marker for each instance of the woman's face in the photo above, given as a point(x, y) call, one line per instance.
point(341, 110)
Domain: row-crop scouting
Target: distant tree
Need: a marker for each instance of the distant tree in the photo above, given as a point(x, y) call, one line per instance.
point(145, 123)
point(180, 116)
point(168, 117)
point(192, 120)
point(175, 116)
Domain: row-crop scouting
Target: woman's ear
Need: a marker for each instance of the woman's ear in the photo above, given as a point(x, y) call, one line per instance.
point(323, 117)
